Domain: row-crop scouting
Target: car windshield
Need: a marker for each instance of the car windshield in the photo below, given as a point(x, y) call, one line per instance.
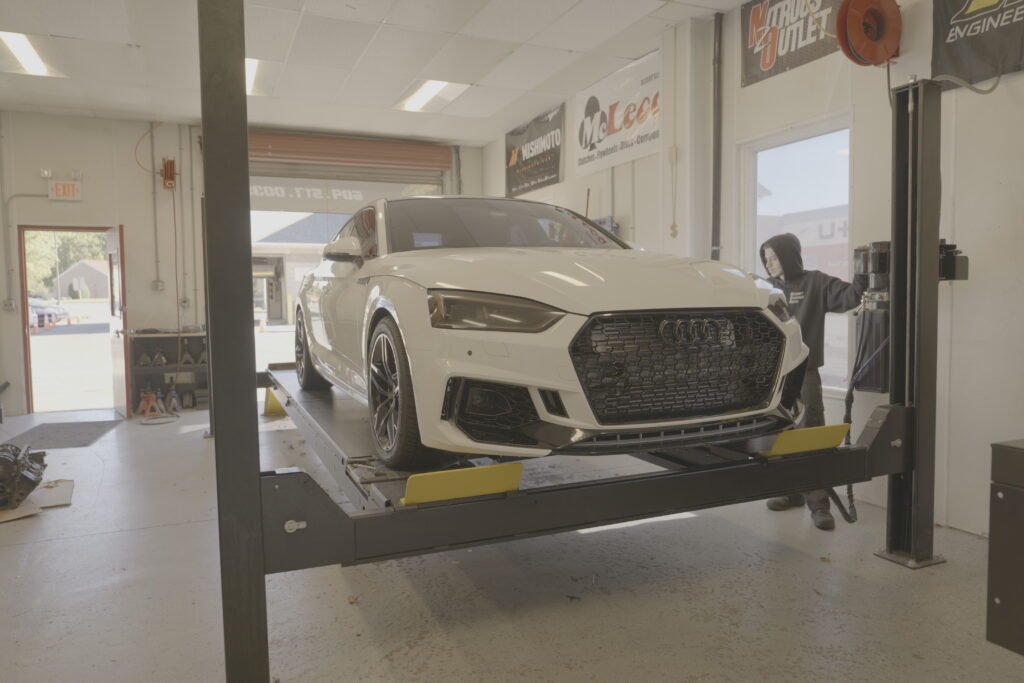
point(460, 223)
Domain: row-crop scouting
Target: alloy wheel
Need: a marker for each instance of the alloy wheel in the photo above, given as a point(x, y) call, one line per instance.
point(300, 348)
point(384, 392)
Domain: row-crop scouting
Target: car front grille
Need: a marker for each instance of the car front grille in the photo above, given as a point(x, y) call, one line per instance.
point(668, 365)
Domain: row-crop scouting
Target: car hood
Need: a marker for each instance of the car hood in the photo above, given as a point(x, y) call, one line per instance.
point(583, 281)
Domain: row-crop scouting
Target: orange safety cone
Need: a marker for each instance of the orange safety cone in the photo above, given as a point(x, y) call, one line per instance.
point(48, 324)
point(35, 327)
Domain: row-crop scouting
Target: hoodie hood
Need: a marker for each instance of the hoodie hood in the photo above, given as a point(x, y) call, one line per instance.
point(787, 249)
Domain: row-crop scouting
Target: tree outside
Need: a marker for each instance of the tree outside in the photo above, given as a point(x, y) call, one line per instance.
point(48, 253)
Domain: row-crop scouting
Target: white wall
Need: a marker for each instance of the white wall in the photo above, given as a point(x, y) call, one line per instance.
point(115, 191)
point(980, 374)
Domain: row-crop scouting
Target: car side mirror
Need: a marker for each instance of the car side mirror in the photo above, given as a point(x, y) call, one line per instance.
point(344, 249)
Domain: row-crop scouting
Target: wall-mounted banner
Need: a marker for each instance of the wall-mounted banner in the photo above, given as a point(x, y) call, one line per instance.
point(977, 39)
point(533, 153)
point(779, 35)
point(619, 118)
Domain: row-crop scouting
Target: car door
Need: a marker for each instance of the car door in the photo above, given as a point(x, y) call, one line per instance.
point(319, 283)
point(344, 301)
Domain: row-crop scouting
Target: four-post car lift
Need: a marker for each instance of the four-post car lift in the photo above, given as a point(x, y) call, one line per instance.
point(284, 521)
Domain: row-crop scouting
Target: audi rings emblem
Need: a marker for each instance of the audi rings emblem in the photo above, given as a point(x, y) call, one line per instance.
point(693, 331)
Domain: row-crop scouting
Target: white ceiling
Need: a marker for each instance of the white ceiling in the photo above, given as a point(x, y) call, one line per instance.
point(339, 65)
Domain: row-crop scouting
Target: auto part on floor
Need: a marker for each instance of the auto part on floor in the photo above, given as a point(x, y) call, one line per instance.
point(21, 471)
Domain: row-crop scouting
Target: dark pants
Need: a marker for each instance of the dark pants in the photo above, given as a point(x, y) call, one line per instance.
point(814, 405)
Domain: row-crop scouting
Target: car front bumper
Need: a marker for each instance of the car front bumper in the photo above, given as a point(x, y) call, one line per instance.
point(444, 361)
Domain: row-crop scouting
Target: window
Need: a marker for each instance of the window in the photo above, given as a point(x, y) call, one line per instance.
point(803, 187)
point(365, 226)
point(466, 223)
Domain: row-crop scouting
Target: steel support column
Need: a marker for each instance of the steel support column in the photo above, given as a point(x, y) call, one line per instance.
point(231, 344)
point(917, 111)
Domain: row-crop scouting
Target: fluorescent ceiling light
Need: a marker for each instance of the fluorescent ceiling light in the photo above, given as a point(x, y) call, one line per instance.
point(432, 96)
point(23, 51)
point(251, 65)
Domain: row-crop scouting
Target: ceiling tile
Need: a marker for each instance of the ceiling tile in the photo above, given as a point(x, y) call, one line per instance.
point(365, 11)
point(582, 73)
point(102, 20)
point(676, 12)
point(162, 23)
point(33, 89)
point(465, 59)
point(364, 88)
point(515, 21)
point(717, 5)
point(294, 5)
point(269, 32)
point(108, 62)
point(523, 109)
point(591, 22)
point(636, 40)
point(434, 15)
point(309, 83)
point(171, 68)
point(397, 51)
point(329, 42)
point(22, 16)
point(481, 101)
point(528, 66)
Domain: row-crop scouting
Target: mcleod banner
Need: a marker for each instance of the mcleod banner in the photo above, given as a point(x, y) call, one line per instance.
point(618, 119)
point(779, 35)
point(533, 153)
point(977, 39)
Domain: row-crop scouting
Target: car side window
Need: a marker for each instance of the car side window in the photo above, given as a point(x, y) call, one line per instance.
point(365, 226)
point(346, 230)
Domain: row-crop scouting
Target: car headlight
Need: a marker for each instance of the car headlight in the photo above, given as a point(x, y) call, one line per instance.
point(778, 306)
point(458, 310)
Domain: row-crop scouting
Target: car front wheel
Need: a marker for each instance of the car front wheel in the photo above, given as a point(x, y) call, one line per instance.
point(307, 375)
point(393, 422)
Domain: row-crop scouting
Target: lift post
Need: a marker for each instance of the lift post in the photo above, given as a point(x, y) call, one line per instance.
point(914, 302)
point(227, 243)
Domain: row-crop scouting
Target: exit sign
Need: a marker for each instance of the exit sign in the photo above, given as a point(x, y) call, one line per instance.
point(65, 190)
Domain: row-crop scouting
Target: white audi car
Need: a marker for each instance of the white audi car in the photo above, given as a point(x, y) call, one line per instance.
point(512, 328)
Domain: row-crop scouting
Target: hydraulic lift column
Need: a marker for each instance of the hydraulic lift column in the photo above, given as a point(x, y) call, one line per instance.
point(227, 247)
point(914, 294)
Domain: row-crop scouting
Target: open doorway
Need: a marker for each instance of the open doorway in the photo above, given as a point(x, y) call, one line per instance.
point(66, 304)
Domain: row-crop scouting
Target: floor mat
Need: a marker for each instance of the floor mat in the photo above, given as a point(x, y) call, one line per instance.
point(51, 435)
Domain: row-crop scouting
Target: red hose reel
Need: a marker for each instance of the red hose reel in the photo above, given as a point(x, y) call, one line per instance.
point(869, 31)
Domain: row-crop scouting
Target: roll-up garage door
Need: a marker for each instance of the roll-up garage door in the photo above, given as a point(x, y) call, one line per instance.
point(331, 157)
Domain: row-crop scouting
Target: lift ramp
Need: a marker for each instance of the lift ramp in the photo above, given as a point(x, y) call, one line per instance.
point(476, 500)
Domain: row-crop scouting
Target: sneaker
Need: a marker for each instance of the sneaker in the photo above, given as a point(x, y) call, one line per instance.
point(786, 502)
point(823, 519)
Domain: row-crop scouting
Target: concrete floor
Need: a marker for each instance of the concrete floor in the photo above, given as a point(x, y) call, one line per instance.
point(124, 586)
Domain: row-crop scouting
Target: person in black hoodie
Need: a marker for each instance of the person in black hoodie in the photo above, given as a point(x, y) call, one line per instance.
point(810, 294)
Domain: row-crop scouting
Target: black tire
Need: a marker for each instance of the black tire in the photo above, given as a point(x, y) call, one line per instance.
point(308, 376)
point(393, 426)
